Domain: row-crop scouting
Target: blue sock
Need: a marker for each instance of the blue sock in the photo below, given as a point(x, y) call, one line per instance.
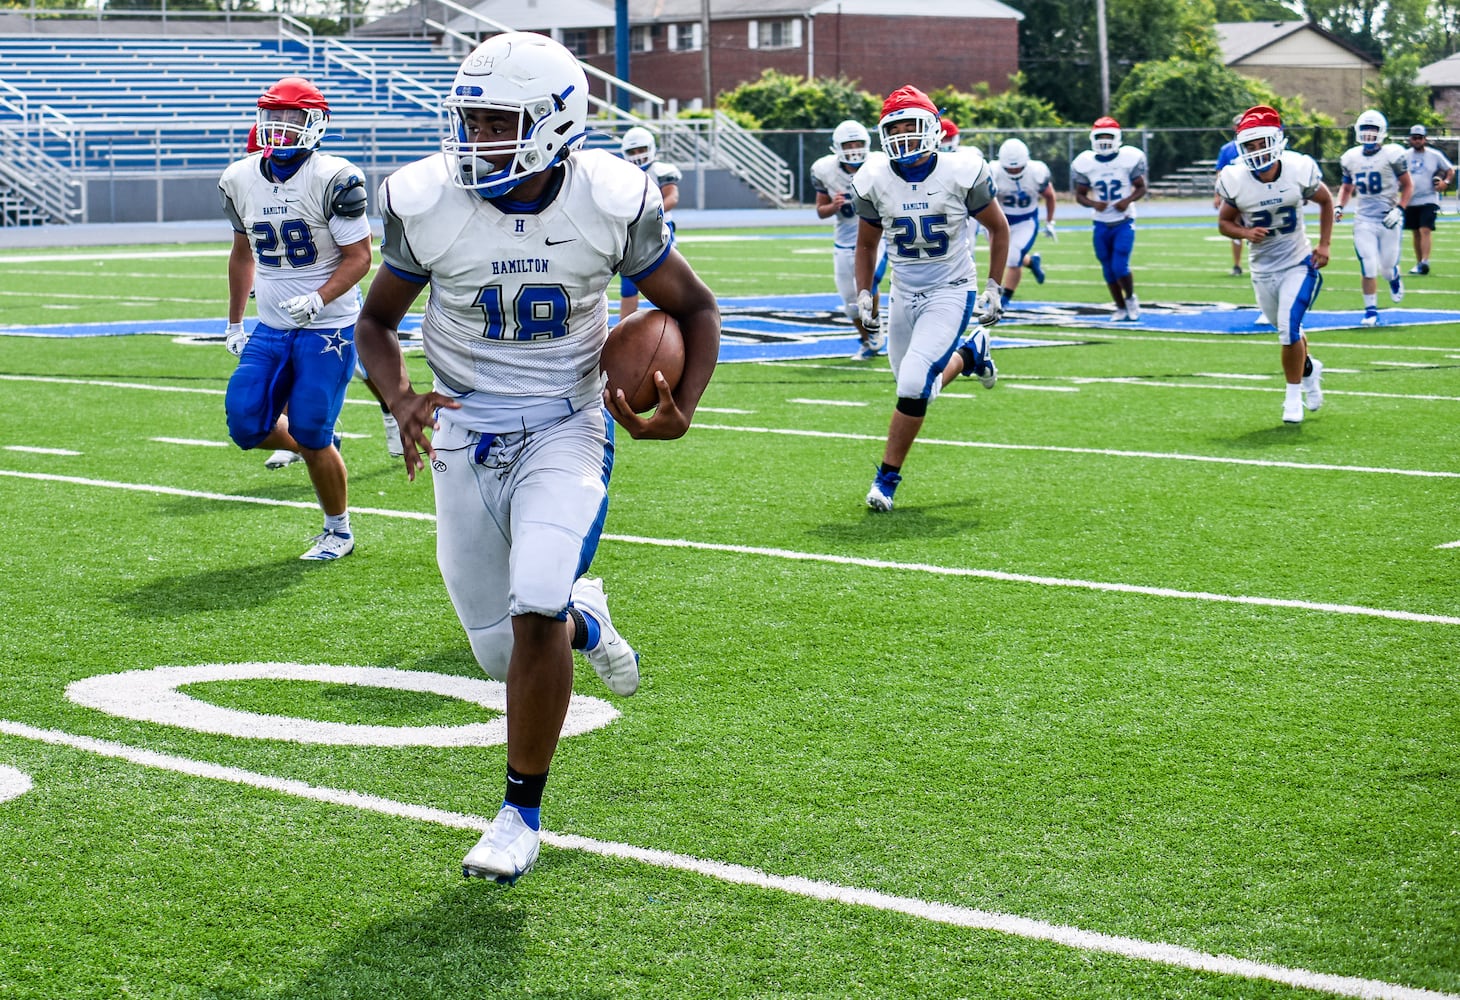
point(532, 817)
point(593, 630)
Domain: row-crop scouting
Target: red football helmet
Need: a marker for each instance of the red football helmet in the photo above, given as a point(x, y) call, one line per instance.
point(909, 104)
point(1105, 135)
point(292, 115)
point(251, 144)
point(949, 141)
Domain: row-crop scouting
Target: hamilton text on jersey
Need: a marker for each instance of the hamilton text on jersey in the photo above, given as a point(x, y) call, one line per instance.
point(524, 265)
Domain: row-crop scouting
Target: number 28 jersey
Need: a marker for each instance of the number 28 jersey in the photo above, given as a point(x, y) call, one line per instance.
point(925, 223)
point(1276, 207)
point(517, 313)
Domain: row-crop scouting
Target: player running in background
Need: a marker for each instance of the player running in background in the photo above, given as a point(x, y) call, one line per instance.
point(640, 148)
point(518, 236)
point(831, 179)
point(1110, 178)
point(1022, 185)
point(1226, 155)
point(919, 201)
point(1262, 202)
point(1430, 173)
point(301, 243)
point(1376, 176)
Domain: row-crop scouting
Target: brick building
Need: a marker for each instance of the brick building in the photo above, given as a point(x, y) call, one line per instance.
point(881, 44)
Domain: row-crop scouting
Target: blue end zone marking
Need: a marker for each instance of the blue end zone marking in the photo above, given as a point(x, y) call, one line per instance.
point(807, 327)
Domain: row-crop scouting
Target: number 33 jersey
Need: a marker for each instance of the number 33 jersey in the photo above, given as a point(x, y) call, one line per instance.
point(517, 306)
point(925, 223)
point(295, 234)
point(1275, 206)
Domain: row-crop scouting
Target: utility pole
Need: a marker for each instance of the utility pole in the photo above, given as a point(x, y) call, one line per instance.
point(1104, 57)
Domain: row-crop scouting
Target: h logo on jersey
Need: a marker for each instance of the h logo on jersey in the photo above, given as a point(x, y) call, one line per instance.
point(521, 226)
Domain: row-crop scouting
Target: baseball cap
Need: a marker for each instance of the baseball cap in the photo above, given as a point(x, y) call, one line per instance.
point(1418, 130)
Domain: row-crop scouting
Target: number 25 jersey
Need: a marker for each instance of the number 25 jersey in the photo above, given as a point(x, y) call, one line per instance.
point(1275, 206)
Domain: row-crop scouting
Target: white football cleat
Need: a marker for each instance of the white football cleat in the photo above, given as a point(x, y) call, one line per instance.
point(1292, 411)
point(1396, 288)
point(1371, 317)
point(330, 545)
point(613, 659)
point(281, 458)
point(1132, 309)
point(1119, 316)
point(507, 851)
point(884, 485)
point(393, 447)
point(1312, 385)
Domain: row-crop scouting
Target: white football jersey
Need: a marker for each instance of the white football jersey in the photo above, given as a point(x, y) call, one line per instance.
point(1110, 178)
point(1019, 195)
point(1375, 177)
point(1424, 167)
point(1276, 206)
point(295, 234)
point(517, 315)
point(925, 223)
point(664, 174)
point(828, 178)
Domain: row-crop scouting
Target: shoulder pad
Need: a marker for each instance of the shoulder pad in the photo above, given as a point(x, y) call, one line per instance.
point(617, 185)
point(347, 194)
point(415, 187)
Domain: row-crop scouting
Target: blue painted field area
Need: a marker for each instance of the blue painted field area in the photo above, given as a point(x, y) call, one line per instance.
point(791, 327)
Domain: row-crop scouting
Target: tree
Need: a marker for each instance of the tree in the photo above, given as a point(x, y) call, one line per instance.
point(1256, 10)
point(784, 101)
point(1013, 109)
point(1402, 100)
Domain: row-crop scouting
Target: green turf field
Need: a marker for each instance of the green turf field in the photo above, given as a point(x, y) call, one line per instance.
point(1137, 693)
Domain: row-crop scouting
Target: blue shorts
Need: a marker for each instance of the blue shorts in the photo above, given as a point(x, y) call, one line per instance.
point(306, 370)
point(1114, 242)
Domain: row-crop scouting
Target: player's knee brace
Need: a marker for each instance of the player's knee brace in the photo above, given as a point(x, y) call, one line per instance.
point(912, 406)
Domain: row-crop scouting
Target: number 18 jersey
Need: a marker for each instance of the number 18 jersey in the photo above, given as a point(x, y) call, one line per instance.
point(1276, 206)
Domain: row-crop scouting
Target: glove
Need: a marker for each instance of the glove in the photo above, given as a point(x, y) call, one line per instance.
point(234, 338)
point(1337, 213)
point(1049, 232)
point(989, 307)
point(303, 308)
point(865, 312)
point(1393, 217)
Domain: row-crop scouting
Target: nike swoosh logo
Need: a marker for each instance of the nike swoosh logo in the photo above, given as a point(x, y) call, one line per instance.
point(513, 781)
point(556, 243)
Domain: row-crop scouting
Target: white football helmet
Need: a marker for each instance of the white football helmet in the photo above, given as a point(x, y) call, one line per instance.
point(638, 146)
point(1013, 157)
point(1105, 135)
point(1369, 130)
point(527, 76)
point(291, 118)
point(906, 147)
point(845, 134)
point(1260, 139)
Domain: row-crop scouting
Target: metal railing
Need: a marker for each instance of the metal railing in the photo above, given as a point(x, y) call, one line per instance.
point(36, 188)
point(353, 60)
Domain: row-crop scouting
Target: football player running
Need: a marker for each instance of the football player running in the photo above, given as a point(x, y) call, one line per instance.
point(641, 149)
point(919, 201)
point(1375, 175)
point(1110, 178)
point(1022, 185)
point(301, 243)
point(831, 179)
point(518, 235)
point(1262, 202)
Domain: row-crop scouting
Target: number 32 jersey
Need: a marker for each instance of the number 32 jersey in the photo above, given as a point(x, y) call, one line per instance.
point(925, 223)
point(517, 311)
point(1276, 207)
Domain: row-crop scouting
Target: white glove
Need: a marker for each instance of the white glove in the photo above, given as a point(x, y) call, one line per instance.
point(989, 307)
point(1393, 217)
point(866, 306)
point(1049, 232)
point(303, 308)
point(234, 338)
point(1337, 213)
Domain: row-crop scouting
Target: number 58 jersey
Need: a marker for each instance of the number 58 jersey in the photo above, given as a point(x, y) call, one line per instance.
point(517, 307)
point(1276, 207)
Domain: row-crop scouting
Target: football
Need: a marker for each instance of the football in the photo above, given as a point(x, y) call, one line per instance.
point(646, 342)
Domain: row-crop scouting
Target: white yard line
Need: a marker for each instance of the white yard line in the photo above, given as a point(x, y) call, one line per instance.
point(793, 555)
point(944, 913)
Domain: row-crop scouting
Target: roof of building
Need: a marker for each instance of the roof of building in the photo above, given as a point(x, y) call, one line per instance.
point(1445, 73)
point(1242, 39)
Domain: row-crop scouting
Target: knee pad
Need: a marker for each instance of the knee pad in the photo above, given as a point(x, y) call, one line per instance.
point(492, 646)
point(912, 406)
